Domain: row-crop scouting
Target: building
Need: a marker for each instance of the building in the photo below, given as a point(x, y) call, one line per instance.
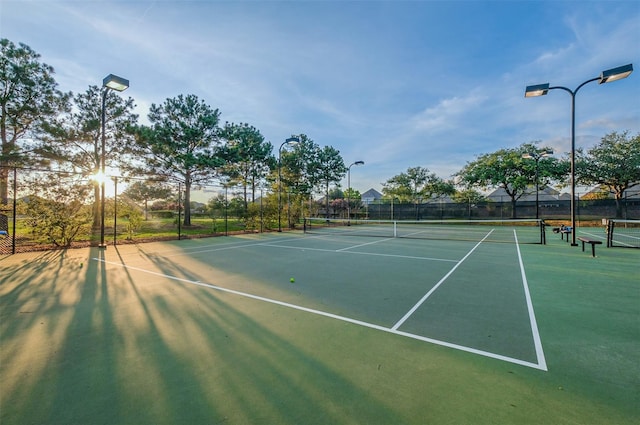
point(370, 196)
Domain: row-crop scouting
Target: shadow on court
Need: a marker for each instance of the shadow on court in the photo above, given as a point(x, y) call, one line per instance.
point(144, 344)
point(84, 345)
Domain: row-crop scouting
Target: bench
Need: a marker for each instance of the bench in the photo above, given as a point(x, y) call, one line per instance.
point(593, 243)
point(563, 231)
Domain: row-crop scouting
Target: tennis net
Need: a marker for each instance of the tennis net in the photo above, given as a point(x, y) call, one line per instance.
point(624, 233)
point(527, 231)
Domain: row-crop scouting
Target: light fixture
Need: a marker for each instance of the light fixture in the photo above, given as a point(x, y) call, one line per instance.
point(115, 83)
point(615, 74)
point(606, 76)
point(349, 189)
point(110, 82)
point(537, 90)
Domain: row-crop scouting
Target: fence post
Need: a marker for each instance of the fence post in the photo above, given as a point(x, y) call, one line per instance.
point(179, 210)
point(15, 207)
point(115, 209)
point(226, 211)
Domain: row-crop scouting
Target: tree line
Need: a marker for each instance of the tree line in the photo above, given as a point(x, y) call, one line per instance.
point(186, 144)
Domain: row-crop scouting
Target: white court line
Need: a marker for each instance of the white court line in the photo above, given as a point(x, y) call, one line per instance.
point(437, 285)
point(275, 244)
point(618, 242)
point(593, 235)
point(332, 316)
point(542, 363)
point(409, 257)
point(363, 244)
point(378, 241)
point(195, 248)
point(228, 246)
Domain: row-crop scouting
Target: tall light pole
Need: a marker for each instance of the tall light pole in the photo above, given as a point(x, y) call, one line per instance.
point(110, 82)
point(349, 189)
point(294, 140)
point(607, 76)
point(536, 156)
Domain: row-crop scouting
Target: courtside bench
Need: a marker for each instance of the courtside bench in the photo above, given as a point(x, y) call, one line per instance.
point(564, 230)
point(593, 243)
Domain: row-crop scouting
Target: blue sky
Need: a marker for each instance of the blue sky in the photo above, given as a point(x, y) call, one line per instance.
point(396, 84)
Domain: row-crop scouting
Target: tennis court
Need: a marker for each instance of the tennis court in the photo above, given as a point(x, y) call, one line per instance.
point(493, 327)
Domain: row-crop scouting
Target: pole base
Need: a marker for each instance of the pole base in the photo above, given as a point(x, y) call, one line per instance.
point(574, 244)
point(102, 246)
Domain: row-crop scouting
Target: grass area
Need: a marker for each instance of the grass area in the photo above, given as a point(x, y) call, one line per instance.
point(169, 227)
point(154, 228)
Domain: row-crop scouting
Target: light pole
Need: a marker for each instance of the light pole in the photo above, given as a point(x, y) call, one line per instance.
point(110, 82)
point(294, 140)
point(115, 209)
point(349, 189)
point(607, 76)
point(536, 156)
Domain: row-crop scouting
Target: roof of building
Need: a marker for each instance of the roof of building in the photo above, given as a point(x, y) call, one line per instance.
point(371, 193)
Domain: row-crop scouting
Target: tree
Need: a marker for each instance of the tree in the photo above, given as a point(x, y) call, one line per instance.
point(614, 164)
point(543, 170)
point(298, 177)
point(507, 169)
point(148, 190)
point(353, 200)
point(28, 98)
point(182, 143)
point(133, 215)
point(249, 157)
point(296, 167)
point(75, 140)
point(328, 168)
point(56, 209)
point(468, 196)
point(415, 185)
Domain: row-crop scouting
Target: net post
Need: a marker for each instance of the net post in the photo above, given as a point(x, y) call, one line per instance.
point(395, 229)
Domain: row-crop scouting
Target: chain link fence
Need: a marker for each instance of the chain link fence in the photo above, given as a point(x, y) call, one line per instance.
point(586, 210)
point(43, 209)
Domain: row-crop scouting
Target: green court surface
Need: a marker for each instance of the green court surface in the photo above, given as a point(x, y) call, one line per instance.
point(373, 330)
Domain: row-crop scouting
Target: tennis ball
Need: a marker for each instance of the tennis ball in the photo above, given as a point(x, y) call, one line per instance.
point(81, 264)
point(292, 280)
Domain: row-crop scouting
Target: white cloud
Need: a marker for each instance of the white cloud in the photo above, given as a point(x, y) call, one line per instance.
point(447, 113)
point(396, 84)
